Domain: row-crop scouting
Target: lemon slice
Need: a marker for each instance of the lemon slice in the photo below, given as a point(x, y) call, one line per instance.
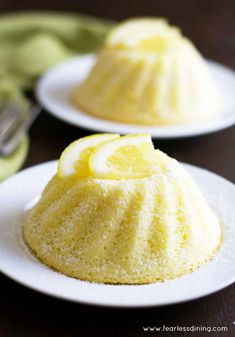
point(74, 159)
point(125, 157)
point(135, 32)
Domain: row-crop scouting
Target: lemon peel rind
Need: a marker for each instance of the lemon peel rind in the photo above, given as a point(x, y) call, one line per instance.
point(72, 153)
point(98, 160)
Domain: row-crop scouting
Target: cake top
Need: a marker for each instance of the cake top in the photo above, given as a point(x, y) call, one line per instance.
point(109, 156)
point(145, 35)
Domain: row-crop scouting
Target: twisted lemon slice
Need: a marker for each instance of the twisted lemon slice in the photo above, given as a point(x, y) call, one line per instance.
point(125, 157)
point(74, 159)
point(145, 33)
point(135, 216)
point(109, 156)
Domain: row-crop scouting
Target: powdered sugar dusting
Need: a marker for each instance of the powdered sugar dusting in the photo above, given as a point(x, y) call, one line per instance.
point(17, 261)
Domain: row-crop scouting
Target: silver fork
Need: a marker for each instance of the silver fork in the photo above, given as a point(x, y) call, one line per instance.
point(14, 122)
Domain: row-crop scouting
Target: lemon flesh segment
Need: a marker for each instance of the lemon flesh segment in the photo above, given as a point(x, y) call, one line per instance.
point(126, 157)
point(74, 159)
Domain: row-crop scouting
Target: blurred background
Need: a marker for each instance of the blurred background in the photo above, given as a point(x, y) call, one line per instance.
point(209, 23)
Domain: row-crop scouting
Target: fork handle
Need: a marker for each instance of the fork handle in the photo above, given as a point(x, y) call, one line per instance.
point(9, 145)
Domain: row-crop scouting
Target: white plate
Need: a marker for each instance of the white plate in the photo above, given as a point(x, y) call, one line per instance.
point(54, 93)
point(17, 261)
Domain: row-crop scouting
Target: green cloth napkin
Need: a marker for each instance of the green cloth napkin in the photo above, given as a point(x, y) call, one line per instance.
point(33, 42)
point(14, 162)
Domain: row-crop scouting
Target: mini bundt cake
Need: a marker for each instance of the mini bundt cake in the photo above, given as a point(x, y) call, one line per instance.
point(148, 73)
point(153, 226)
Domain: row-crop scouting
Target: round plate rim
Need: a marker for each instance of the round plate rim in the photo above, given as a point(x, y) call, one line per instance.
point(108, 304)
point(89, 122)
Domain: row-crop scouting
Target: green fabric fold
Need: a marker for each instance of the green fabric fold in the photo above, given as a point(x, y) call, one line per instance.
point(33, 42)
point(30, 44)
point(13, 163)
